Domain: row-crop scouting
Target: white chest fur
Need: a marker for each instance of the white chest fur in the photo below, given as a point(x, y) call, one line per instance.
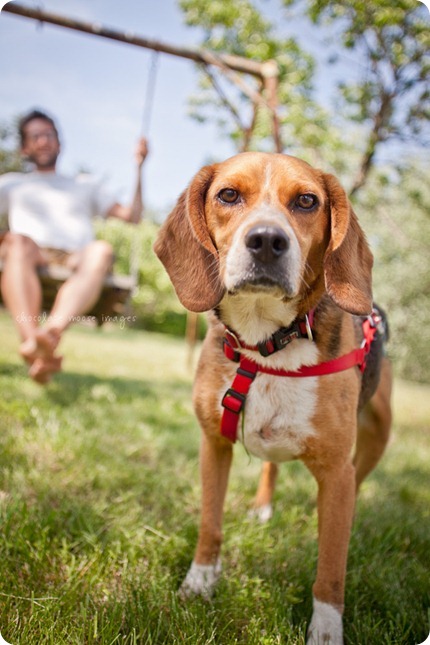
point(278, 415)
point(279, 410)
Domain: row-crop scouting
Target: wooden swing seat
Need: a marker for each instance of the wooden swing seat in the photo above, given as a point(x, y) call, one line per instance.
point(111, 303)
point(113, 299)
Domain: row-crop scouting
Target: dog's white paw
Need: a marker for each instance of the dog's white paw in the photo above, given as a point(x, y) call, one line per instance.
point(262, 513)
point(326, 625)
point(200, 580)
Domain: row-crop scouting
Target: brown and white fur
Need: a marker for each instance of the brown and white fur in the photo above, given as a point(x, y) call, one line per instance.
point(261, 239)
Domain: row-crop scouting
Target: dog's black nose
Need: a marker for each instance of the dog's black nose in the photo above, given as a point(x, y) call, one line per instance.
point(266, 243)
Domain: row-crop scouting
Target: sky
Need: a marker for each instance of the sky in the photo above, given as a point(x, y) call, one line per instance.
point(95, 88)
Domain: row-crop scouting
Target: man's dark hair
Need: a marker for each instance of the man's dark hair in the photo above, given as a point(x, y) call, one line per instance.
point(34, 114)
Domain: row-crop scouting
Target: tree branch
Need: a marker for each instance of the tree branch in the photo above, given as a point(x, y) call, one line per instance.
point(379, 121)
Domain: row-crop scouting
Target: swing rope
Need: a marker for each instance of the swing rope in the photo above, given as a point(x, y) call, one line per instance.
point(148, 103)
point(150, 93)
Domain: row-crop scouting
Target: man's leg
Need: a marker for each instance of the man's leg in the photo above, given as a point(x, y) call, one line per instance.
point(20, 284)
point(82, 290)
point(22, 295)
point(75, 298)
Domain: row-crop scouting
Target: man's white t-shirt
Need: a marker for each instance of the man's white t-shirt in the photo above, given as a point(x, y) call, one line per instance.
point(53, 210)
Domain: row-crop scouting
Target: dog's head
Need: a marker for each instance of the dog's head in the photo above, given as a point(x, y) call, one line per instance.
point(265, 223)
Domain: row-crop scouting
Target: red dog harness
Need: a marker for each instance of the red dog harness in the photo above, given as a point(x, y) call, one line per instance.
point(234, 399)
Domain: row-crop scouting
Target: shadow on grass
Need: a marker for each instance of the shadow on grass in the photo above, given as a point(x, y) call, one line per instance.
point(68, 387)
point(11, 370)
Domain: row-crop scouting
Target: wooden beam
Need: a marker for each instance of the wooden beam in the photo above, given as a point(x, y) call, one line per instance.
point(198, 55)
point(267, 71)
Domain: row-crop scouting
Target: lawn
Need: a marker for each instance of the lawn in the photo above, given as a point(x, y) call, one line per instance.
point(99, 505)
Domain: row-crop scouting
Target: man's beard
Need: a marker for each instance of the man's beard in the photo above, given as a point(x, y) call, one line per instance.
point(43, 161)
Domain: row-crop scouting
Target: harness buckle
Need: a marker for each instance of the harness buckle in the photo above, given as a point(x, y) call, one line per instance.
point(233, 401)
point(246, 373)
point(278, 341)
point(370, 327)
point(378, 322)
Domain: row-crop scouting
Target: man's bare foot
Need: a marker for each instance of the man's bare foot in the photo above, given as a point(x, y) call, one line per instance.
point(42, 369)
point(41, 345)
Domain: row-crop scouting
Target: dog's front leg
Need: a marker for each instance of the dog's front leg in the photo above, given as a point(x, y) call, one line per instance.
point(215, 460)
point(336, 499)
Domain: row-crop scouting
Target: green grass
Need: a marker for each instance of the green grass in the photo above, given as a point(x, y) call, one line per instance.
point(99, 507)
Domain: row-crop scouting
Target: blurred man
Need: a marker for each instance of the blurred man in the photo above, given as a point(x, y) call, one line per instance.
point(50, 221)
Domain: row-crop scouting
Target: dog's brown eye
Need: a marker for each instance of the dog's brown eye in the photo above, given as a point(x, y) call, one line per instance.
point(228, 195)
point(306, 201)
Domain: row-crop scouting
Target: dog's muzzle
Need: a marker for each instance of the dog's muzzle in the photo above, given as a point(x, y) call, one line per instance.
point(264, 256)
point(268, 262)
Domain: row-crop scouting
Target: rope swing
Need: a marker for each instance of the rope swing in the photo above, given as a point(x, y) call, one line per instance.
point(148, 101)
point(148, 104)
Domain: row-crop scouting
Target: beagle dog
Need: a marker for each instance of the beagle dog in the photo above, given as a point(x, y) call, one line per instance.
point(293, 363)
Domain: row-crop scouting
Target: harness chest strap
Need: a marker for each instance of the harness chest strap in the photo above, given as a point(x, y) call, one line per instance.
point(234, 399)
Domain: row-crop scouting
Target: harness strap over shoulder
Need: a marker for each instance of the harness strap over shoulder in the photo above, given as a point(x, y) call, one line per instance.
point(234, 399)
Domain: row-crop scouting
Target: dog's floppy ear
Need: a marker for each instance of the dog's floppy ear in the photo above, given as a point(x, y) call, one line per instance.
point(348, 260)
point(187, 251)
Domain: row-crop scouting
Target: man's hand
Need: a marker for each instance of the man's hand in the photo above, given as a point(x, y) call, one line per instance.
point(141, 151)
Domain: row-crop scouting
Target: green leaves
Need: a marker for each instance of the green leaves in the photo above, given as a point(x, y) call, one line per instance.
point(238, 27)
point(10, 158)
point(392, 43)
point(389, 98)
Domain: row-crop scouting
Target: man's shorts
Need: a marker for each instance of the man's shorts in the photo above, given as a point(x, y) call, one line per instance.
point(63, 258)
point(50, 256)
